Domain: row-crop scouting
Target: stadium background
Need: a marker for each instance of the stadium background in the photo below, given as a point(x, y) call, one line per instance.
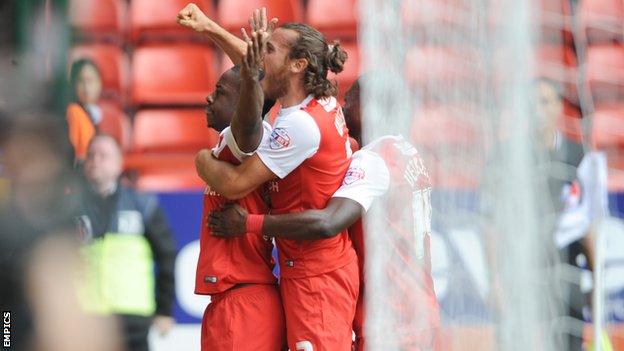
point(156, 76)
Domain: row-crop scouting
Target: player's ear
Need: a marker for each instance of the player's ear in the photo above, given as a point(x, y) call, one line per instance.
point(298, 65)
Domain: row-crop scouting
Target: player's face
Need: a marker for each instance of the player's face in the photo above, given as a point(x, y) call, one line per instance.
point(104, 162)
point(88, 85)
point(276, 62)
point(221, 103)
point(351, 110)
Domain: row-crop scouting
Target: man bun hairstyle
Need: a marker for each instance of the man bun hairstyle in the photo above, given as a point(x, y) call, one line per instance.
point(336, 57)
point(312, 46)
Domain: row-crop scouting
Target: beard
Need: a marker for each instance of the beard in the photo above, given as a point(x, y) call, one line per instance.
point(276, 84)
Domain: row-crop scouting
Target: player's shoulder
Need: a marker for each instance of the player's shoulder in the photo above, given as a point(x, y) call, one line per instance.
point(298, 117)
point(296, 126)
point(368, 162)
point(329, 103)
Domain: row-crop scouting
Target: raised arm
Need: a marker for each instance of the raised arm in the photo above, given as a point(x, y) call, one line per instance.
point(246, 123)
point(233, 182)
point(191, 16)
point(339, 214)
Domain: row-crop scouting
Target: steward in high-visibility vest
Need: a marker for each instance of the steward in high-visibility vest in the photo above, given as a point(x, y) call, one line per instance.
point(129, 250)
point(125, 233)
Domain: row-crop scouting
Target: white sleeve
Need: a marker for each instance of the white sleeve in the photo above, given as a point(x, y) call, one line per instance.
point(576, 219)
point(294, 139)
point(366, 179)
point(227, 138)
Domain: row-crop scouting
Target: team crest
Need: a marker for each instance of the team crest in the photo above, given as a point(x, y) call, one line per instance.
point(279, 139)
point(353, 175)
point(571, 195)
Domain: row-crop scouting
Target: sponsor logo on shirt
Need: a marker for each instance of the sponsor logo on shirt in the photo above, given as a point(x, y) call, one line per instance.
point(279, 139)
point(353, 174)
point(208, 191)
point(274, 186)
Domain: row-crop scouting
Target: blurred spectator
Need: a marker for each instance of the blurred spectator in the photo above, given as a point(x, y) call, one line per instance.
point(38, 246)
point(555, 159)
point(577, 199)
point(83, 113)
point(126, 233)
point(549, 111)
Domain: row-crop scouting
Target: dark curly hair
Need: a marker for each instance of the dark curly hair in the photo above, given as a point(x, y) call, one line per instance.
point(312, 46)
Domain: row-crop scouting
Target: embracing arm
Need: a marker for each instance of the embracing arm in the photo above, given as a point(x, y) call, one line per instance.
point(233, 182)
point(339, 214)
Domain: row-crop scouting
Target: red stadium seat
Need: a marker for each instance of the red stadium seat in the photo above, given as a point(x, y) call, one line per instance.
point(101, 20)
point(605, 72)
point(445, 125)
point(603, 20)
point(608, 127)
point(172, 75)
point(157, 22)
point(427, 13)
point(556, 20)
point(116, 123)
point(234, 14)
point(570, 122)
point(155, 162)
point(556, 55)
point(170, 180)
point(351, 70)
point(551, 18)
point(437, 65)
point(165, 143)
point(113, 64)
point(170, 130)
point(335, 19)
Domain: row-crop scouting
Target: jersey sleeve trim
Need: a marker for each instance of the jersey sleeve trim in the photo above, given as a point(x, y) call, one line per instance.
point(294, 139)
point(230, 141)
point(368, 177)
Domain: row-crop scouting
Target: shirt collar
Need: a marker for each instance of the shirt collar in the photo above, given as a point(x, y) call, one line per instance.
point(291, 109)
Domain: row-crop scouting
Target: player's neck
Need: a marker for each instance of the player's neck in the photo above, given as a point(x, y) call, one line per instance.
point(294, 96)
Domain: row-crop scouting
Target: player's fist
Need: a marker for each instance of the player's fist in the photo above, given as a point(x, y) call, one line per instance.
point(191, 16)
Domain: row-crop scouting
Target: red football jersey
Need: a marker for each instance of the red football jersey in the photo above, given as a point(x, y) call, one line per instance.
point(390, 171)
point(309, 151)
point(225, 262)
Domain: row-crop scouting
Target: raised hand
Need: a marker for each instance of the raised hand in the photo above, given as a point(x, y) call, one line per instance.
point(256, 47)
point(191, 16)
point(230, 222)
point(258, 21)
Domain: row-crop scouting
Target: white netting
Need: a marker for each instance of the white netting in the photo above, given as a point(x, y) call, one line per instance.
point(457, 78)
